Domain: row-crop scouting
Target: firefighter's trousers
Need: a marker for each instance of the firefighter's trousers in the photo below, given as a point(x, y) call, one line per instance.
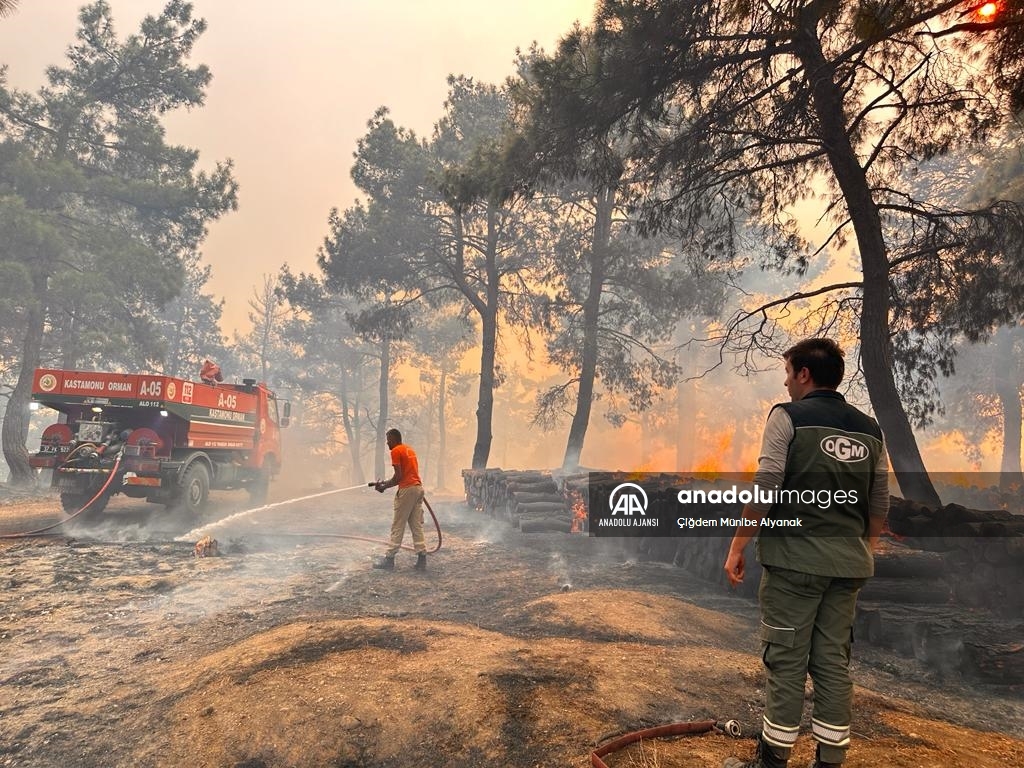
point(807, 627)
point(408, 511)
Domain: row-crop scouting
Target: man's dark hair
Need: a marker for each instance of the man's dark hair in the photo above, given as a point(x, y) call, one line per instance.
point(396, 433)
point(821, 357)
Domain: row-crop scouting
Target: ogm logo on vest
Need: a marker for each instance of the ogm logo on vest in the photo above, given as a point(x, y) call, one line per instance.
point(628, 498)
point(845, 449)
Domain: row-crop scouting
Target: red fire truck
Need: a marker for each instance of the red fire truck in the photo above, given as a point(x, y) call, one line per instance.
point(175, 439)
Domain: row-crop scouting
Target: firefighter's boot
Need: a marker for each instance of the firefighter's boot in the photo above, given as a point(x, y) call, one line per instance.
point(421, 561)
point(819, 763)
point(766, 757)
point(386, 563)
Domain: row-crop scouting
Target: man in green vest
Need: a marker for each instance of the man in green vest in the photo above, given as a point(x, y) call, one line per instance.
point(825, 465)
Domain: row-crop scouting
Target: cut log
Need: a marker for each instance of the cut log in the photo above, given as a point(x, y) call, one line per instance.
point(540, 486)
point(540, 508)
point(1001, 663)
point(524, 497)
point(909, 564)
point(867, 626)
point(909, 591)
point(544, 525)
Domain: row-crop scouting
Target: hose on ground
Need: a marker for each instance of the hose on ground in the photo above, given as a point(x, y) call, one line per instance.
point(433, 516)
point(437, 527)
point(660, 731)
point(73, 515)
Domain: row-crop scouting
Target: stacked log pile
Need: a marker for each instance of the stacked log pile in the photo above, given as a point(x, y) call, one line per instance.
point(982, 551)
point(531, 500)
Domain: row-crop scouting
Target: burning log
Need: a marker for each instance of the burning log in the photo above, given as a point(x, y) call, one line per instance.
point(206, 547)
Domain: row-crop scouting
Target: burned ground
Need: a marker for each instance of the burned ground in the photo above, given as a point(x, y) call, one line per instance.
point(119, 648)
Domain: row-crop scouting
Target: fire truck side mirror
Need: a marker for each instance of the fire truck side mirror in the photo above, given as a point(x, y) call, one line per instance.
point(286, 414)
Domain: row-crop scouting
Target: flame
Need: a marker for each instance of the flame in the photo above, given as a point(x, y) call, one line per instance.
point(711, 463)
point(888, 533)
point(988, 10)
point(638, 474)
point(960, 479)
point(579, 512)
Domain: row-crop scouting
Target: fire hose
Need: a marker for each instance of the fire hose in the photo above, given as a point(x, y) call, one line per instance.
point(199, 532)
point(730, 727)
point(73, 515)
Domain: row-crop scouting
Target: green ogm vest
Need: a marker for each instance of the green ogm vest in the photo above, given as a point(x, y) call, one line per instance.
point(830, 472)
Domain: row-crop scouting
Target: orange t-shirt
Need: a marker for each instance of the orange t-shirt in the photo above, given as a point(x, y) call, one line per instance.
point(404, 457)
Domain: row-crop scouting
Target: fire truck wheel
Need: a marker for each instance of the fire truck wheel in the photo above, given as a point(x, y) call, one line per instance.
point(72, 502)
point(259, 489)
point(195, 488)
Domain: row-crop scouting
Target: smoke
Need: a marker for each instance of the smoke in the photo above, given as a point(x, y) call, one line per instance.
point(560, 568)
point(711, 421)
point(268, 555)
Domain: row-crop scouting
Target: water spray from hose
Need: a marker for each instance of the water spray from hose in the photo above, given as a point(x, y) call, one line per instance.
point(197, 533)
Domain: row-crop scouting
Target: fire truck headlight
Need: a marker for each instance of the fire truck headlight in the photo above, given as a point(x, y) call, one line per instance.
point(163, 413)
point(33, 406)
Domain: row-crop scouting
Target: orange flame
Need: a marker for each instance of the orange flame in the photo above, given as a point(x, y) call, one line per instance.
point(638, 473)
point(960, 479)
point(711, 463)
point(579, 512)
point(987, 10)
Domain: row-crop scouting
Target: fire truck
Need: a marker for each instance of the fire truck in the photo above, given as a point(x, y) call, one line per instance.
point(160, 438)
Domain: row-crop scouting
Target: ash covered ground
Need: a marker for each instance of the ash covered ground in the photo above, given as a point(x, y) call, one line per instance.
point(119, 648)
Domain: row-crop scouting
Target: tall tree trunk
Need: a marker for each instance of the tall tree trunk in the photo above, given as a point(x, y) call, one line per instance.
point(382, 415)
point(686, 407)
point(176, 359)
point(351, 425)
point(69, 342)
point(1008, 388)
point(16, 415)
point(686, 425)
point(605, 205)
point(489, 339)
point(875, 339)
point(1010, 467)
point(442, 427)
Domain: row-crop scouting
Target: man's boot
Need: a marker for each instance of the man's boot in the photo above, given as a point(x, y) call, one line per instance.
point(421, 561)
point(765, 758)
point(819, 763)
point(386, 563)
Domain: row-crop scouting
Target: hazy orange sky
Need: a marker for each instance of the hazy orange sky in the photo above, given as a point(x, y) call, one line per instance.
point(293, 86)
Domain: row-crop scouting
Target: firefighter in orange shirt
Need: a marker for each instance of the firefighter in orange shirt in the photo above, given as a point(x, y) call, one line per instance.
point(408, 502)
